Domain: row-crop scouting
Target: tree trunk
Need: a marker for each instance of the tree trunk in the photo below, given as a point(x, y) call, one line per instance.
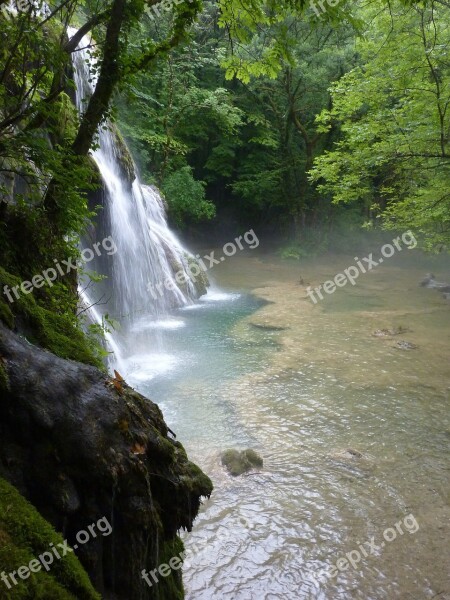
point(98, 103)
point(108, 78)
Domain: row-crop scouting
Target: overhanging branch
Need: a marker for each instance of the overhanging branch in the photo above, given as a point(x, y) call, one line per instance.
point(72, 44)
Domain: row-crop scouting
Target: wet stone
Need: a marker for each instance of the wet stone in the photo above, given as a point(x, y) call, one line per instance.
point(237, 462)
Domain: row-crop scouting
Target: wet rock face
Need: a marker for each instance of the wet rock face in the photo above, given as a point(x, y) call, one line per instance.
point(81, 447)
point(238, 463)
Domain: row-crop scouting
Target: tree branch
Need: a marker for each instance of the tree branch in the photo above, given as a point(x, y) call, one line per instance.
point(72, 44)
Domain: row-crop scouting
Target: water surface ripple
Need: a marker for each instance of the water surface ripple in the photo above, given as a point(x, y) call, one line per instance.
point(266, 535)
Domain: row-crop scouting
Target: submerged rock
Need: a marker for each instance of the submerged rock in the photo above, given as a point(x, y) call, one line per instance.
point(80, 447)
point(430, 282)
point(238, 463)
point(390, 332)
point(347, 454)
point(268, 327)
point(352, 463)
point(404, 345)
point(427, 280)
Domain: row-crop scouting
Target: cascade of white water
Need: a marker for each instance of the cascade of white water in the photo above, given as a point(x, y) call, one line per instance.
point(97, 318)
point(141, 273)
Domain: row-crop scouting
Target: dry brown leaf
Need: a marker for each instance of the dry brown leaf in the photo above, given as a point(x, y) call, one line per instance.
point(118, 376)
point(138, 449)
point(117, 385)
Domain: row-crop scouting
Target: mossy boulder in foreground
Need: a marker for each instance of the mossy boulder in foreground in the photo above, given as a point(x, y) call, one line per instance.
point(24, 534)
point(81, 447)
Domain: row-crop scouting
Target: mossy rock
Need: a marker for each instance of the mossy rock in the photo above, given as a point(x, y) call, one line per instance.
point(200, 281)
point(50, 329)
point(96, 180)
point(24, 535)
point(238, 463)
point(6, 314)
point(123, 154)
point(171, 587)
point(64, 118)
point(4, 378)
point(121, 462)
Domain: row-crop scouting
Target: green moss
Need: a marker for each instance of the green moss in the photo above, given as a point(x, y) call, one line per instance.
point(6, 315)
point(167, 447)
point(171, 587)
point(65, 118)
point(124, 426)
point(24, 535)
point(200, 281)
point(231, 459)
point(56, 330)
point(4, 379)
point(199, 480)
point(95, 179)
point(238, 463)
point(124, 156)
point(253, 458)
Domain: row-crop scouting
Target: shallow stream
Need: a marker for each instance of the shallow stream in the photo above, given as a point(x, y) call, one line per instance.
point(354, 432)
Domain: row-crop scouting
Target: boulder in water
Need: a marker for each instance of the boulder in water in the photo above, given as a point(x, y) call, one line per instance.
point(427, 280)
point(404, 345)
point(238, 463)
point(390, 332)
point(347, 454)
point(430, 282)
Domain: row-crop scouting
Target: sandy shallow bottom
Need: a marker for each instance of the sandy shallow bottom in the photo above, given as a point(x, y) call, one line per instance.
point(336, 334)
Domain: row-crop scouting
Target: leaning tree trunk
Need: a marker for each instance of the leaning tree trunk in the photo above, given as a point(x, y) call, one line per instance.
point(107, 81)
point(98, 103)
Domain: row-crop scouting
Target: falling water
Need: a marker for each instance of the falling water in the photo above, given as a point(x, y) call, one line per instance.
point(141, 273)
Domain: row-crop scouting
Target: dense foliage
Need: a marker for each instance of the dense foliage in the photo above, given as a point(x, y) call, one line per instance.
point(309, 127)
point(393, 111)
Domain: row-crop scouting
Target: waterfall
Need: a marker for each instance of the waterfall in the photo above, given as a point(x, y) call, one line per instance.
point(141, 274)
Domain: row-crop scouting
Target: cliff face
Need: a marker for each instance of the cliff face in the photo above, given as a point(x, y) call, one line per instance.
point(82, 447)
